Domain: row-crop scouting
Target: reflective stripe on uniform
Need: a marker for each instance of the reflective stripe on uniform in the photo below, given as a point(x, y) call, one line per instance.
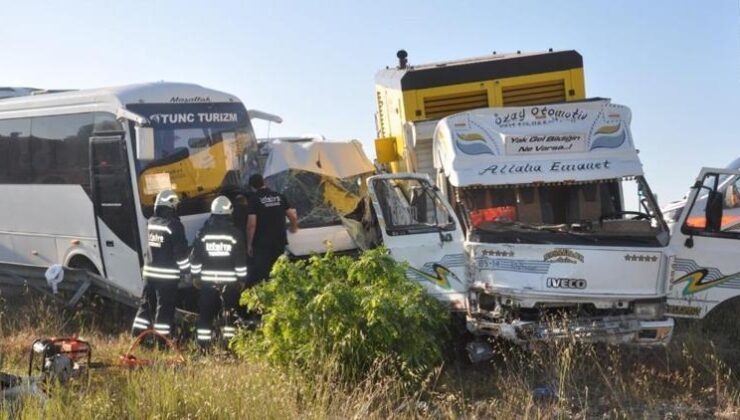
point(241, 271)
point(161, 273)
point(203, 334)
point(140, 323)
point(228, 332)
point(160, 269)
point(184, 264)
point(219, 238)
point(163, 329)
point(162, 276)
point(195, 269)
point(160, 228)
point(218, 279)
point(216, 275)
point(220, 273)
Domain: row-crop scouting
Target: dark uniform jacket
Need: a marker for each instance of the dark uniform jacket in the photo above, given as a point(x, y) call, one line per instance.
point(167, 258)
point(219, 254)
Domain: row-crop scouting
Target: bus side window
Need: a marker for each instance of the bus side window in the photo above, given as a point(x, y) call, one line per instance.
point(59, 145)
point(14, 151)
point(105, 122)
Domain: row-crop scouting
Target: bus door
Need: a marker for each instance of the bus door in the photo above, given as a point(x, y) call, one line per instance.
point(706, 242)
point(118, 233)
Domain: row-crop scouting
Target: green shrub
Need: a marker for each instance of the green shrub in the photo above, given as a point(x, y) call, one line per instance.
point(351, 312)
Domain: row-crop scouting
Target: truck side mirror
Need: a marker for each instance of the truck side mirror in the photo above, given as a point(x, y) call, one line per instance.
point(730, 200)
point(144, 143)
point(713, 211)
point(385, 150)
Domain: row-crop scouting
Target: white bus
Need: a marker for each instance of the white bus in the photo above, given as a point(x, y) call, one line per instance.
point(77, 191)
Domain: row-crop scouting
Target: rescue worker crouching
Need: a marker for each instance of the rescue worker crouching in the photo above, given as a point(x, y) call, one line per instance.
point(219, 268)
point(166, 262)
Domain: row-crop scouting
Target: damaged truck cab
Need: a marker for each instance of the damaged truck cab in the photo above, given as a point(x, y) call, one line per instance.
point(540, 226)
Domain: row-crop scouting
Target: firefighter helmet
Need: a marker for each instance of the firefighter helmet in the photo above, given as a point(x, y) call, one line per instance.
point(221, 205)
point(167, 198)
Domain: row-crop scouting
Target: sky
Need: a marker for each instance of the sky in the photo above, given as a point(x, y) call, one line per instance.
point(676, 64)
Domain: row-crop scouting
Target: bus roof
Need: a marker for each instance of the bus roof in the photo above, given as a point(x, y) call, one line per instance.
point(568, 142)
point(117, 96)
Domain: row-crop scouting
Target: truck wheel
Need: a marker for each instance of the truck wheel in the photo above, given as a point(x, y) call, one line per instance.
point(722, 321)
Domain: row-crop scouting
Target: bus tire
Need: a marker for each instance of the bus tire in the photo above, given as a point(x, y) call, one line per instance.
point(83, 263)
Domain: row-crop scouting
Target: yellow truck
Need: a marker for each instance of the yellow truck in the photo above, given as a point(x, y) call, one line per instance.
point(411, 99)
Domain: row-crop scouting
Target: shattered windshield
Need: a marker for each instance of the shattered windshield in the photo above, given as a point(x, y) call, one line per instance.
point(319, 200)
point(411, 205)
point(608, 211)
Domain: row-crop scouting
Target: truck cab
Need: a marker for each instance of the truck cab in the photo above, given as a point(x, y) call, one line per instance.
point(541, 225)
point(321, 179)
point(706, 242)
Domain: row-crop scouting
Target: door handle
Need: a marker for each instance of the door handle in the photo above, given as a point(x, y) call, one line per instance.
point(109, 244)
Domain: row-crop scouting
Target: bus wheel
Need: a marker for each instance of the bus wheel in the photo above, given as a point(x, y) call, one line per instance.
point(83, 263)
point(93, 309)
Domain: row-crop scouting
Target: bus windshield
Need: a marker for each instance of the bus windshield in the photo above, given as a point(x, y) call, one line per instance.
point(199, 148)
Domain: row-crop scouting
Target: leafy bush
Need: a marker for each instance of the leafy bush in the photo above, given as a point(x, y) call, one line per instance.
point(351, 312)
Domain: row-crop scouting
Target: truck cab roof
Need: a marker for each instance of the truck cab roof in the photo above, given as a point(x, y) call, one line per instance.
point(567, 142)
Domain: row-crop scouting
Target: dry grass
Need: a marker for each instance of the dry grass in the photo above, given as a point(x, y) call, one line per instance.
point(695, 376)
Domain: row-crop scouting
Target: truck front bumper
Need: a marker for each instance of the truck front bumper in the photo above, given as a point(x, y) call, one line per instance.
point(612, 330)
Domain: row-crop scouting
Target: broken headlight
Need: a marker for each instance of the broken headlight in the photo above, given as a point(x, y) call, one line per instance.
point(649, 309)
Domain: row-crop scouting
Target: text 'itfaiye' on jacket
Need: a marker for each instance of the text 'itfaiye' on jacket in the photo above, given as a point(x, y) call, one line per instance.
point(219, 254)
point(167, 258)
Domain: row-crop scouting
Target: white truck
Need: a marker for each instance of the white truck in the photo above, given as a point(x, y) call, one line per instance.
point(705, 237)
point(322, 180)
point(541, 225)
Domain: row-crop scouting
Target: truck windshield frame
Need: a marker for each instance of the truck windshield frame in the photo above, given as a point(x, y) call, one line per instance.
point(410, 206)
point(199, 149)
point(584, 213)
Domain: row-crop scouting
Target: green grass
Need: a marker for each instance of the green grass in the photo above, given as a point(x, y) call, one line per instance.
point(694, 377)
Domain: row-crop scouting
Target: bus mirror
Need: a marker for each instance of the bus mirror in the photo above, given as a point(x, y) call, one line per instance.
point(144, 143)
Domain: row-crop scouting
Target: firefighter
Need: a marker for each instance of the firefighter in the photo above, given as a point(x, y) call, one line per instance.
point(219, 268)
point(166, 262)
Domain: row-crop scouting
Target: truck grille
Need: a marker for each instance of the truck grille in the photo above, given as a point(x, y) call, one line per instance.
point(534, 94)
point(442, 106)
